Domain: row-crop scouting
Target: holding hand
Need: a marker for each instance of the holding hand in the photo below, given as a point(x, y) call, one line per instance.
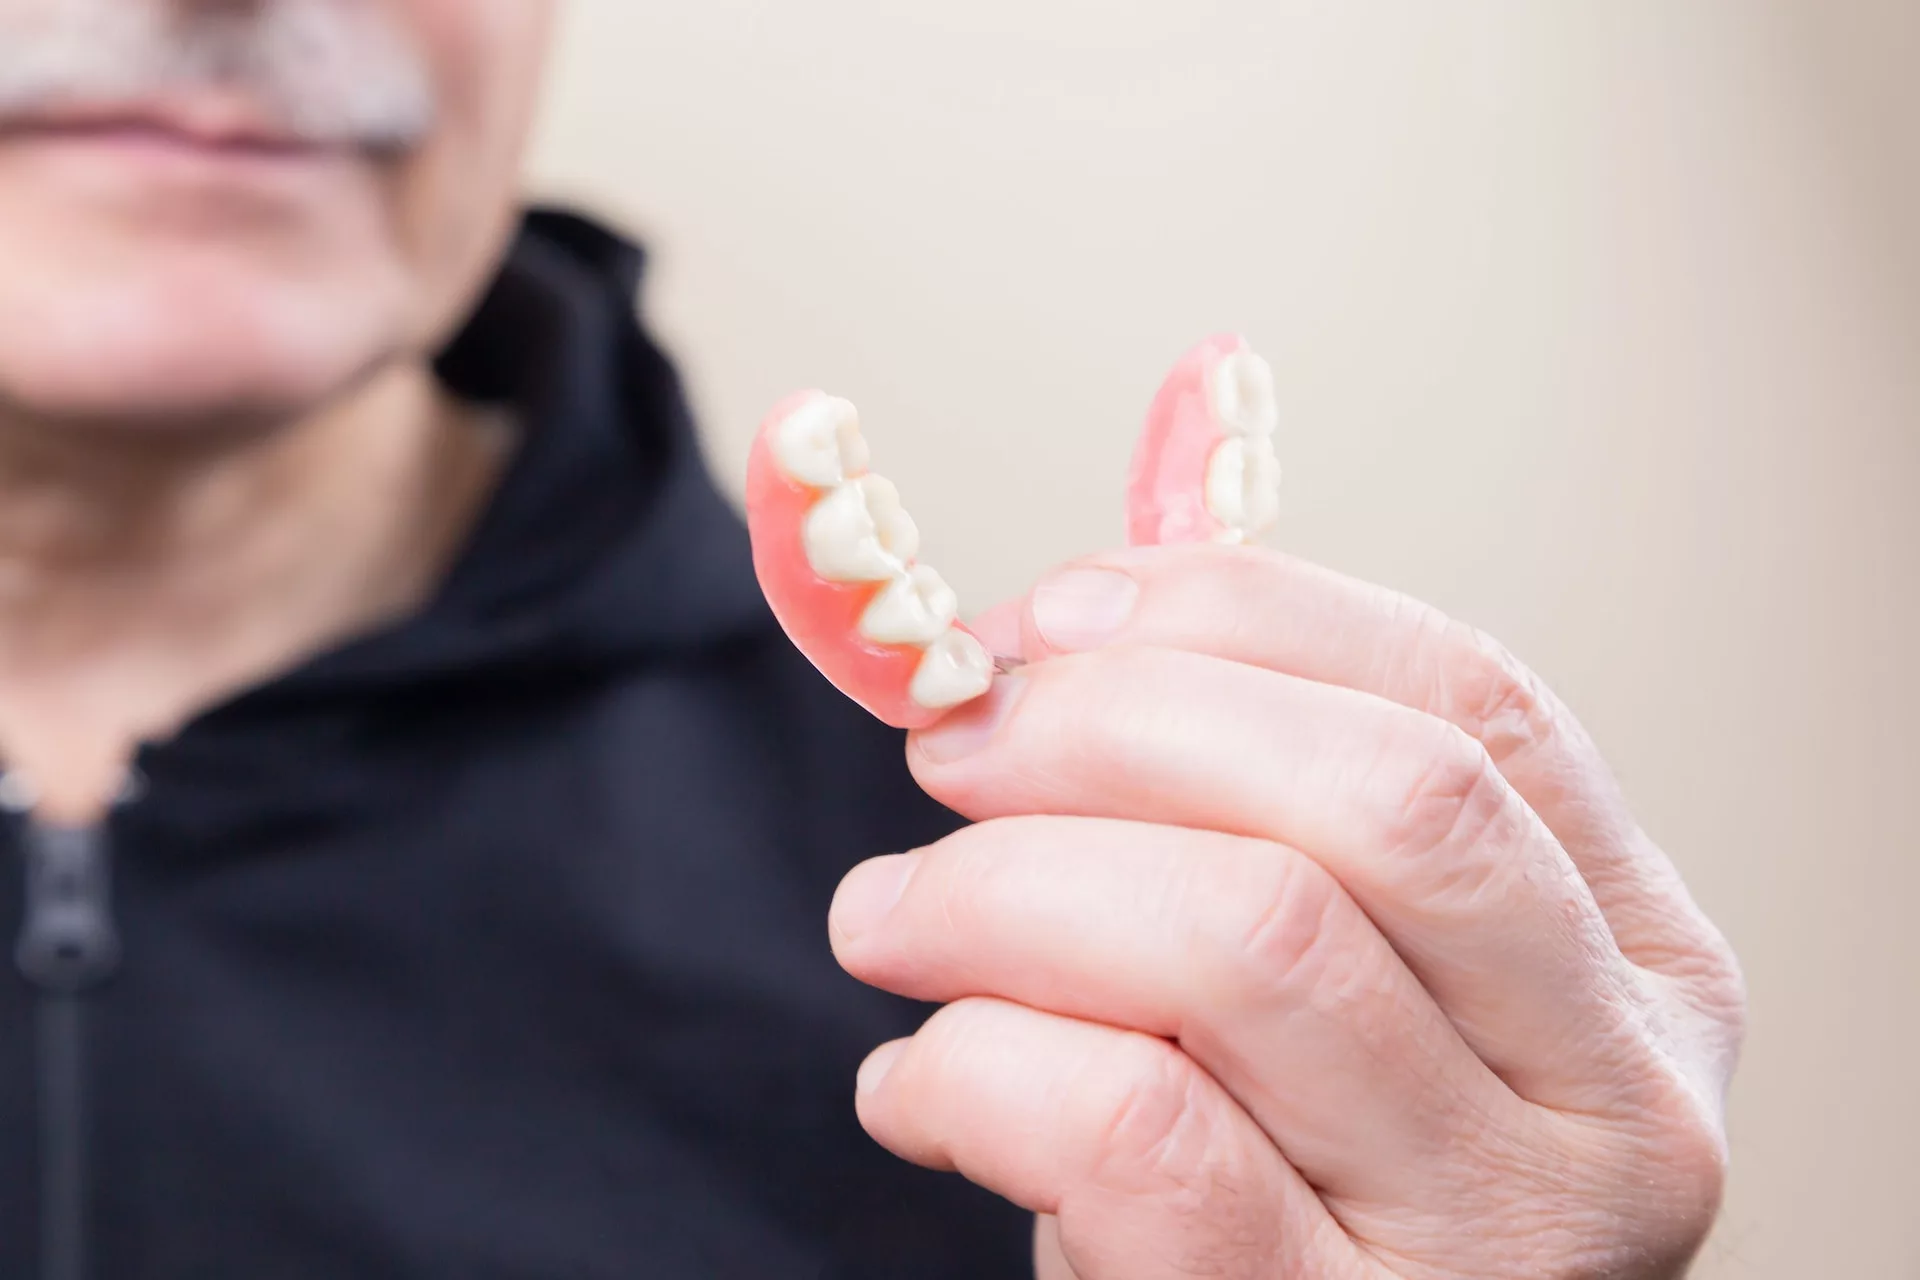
point(1303, 933)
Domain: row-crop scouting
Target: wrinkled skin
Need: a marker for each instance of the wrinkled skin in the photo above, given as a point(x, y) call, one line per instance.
point(1303, 934)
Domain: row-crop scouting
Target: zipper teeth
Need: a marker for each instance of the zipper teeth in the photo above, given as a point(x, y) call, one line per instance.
point(68, 944)
point(61, 1066)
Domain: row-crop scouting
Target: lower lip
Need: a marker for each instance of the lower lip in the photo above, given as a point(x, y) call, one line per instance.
point(158, 152)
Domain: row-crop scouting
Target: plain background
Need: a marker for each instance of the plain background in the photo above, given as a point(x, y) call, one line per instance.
point(1596, 323)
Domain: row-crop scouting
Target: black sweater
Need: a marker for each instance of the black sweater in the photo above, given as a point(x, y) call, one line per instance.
point(491, 944)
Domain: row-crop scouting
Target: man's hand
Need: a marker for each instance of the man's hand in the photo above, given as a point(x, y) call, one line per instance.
point(1303, 933)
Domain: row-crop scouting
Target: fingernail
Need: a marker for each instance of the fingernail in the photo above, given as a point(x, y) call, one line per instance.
point(868, 893)
point(972, 727)
point(1083, 608)
point(878, 1063)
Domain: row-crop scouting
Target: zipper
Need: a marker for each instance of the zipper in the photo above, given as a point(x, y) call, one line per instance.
point(68, 945)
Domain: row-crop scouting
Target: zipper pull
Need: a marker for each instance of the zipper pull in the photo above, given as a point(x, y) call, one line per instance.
point(68, 941)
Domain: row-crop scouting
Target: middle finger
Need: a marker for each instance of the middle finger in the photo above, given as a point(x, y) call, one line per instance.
point(1407, 812)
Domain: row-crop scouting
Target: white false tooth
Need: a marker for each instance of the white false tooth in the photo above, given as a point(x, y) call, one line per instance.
point(957, 668)
point(1242, 396)
point(1263, 485)
point(820, 444)
point(915, 608)
point(1243, 484)
point(859, 532)
point(898, 533)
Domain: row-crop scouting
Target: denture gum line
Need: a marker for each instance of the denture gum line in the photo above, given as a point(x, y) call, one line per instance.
point(856, 532)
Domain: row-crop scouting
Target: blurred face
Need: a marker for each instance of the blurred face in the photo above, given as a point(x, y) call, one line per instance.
point(229, 211)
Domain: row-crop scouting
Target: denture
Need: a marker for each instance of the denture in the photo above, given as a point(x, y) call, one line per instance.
point(835, 554)
point(1204, 469)
point(835, 551)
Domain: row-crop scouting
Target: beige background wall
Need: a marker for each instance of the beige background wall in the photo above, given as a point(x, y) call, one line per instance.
point(1598, 324)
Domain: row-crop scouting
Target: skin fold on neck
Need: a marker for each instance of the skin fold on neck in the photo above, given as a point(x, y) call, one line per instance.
point(145, 576)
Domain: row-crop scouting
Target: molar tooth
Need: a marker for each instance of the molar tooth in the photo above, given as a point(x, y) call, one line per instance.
point(859, 532)
point(957, 668)
point(1241, 392)
point(1243, 484)
point(915, 608)
point(820, 444)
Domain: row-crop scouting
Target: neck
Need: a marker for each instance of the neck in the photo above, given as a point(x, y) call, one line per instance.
point(143, 579)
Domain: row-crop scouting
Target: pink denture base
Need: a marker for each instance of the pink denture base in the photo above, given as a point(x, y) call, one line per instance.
point(1167, 484)
point(821, 617)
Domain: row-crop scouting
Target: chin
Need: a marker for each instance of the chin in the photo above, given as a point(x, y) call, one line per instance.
point(141, 364)
point(176, 324)
point(179, 348)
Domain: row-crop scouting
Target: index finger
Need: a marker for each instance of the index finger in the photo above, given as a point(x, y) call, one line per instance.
point(1265, 609)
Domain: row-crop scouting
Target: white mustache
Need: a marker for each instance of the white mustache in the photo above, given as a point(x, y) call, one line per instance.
point(329, 72)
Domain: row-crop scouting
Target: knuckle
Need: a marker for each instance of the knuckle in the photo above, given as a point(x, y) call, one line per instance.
point(1605, 1198)
point(1715, 988)
point(1285, 920)
point(1176, 1148)
point(1158, 1131)
point(1727, 1003)
point(1446, 796)
point(1696, 1154)
point(1662, 1146)
point(1698, 973)
point(1696, 1149)
point(1300, 946)
point(1494, 696)
point(1676, 1165)
point(1696, 1028)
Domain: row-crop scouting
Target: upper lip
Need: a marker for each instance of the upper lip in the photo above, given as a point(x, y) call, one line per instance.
point(209, 120)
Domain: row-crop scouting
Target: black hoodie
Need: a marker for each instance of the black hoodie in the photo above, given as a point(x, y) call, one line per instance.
point(492, 944)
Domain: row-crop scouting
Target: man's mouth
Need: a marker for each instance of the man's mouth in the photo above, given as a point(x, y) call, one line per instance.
point(207, 128)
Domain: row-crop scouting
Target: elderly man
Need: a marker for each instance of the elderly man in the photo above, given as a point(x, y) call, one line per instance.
point(426, 838)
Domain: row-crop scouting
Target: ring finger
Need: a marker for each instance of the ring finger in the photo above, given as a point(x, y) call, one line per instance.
point(1247, 954)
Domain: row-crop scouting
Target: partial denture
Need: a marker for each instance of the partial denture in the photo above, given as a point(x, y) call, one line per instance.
point(1205, 469)
point(834, 551)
